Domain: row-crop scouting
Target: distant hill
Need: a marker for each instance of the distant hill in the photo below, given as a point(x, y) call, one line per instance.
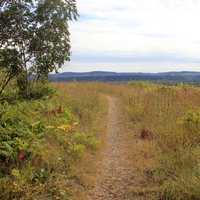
point(183, 76)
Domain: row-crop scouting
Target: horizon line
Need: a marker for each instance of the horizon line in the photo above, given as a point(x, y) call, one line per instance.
point(130, 71)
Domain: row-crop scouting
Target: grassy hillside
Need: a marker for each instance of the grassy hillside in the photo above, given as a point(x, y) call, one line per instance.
point(42, 140)
point(168, 117)
point(49, 146)
point(163, 77)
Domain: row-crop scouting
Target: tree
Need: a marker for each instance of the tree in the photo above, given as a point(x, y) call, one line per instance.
point(9, 62)
point(37, 34)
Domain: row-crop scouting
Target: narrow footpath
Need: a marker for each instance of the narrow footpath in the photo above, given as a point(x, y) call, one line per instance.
point(115, 170)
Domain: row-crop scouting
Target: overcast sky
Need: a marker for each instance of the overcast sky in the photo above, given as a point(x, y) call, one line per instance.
point(136, 35)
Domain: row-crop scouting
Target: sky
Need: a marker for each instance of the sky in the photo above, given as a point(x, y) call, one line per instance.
point(135, 36)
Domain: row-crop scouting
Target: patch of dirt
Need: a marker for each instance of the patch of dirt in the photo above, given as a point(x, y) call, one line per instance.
point(115, 171)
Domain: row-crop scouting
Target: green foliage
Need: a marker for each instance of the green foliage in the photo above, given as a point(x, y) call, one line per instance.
point(40, 89)
point(40, 142)
point(17, 132)
point(34, 39)
point(9, 62)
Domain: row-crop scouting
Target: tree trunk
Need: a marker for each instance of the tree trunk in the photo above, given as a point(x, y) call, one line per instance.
point(23, 84)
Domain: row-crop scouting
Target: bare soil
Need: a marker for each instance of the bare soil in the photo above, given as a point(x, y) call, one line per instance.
point(117, 174)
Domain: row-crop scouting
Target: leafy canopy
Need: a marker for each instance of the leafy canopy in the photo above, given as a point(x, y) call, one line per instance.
point(34, 37)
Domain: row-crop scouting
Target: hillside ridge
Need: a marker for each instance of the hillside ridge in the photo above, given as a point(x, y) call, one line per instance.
point(172, 76)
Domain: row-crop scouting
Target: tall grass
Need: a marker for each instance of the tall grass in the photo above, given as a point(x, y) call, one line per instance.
point(44, 142)
point(43, 139)
point(171, 113)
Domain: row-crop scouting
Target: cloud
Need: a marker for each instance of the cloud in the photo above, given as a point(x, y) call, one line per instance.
point(133, 58)
point(159, 32)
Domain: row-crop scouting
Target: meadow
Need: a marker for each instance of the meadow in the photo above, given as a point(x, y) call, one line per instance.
point(169, 117)
point(51, 146)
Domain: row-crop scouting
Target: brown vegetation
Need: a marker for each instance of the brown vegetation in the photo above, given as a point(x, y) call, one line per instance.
point(150, 150)
point(146, 134)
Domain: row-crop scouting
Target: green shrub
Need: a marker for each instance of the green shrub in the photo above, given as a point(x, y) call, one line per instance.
point(39, 90)
point(17, 132)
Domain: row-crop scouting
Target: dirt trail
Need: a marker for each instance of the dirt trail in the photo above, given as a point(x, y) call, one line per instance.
point(115, 170)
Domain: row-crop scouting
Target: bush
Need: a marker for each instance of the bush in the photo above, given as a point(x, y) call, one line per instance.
point(18, 134)
point(38, 90)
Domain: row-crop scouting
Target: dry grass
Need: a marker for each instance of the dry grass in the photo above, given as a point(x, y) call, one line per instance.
point(163, 123)
point(166, 164)
point(163, 111)
point(89, 104)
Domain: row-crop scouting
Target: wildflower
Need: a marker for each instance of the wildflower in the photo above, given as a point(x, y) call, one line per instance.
point(65, 127)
